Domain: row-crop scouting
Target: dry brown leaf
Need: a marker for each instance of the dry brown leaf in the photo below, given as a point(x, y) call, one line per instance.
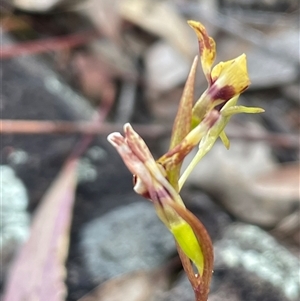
point(242, 186)
point(95, 78)
point(36, 5)
point(281, 183)
point(38, 271)
point(134, 286)
point(14, 23)
point(105, 16)
point(289, 227)
point(160, 18)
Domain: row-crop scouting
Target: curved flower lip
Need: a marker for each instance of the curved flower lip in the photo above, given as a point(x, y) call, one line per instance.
point(229, 76)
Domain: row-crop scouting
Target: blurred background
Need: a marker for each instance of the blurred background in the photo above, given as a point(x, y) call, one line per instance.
point(73, 71)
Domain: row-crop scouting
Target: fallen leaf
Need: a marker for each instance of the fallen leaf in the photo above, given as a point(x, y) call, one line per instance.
point(134, 286)
point(105, 16)
point(289, 227)
point(46, 45)
point(95, 78)
point(160, 18)
point(38, 271)
point(244, 187)
point(14, 23)
point(280, 183)
point(166, 68)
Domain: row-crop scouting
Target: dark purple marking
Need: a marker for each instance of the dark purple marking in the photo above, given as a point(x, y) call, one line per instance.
point(225, 93)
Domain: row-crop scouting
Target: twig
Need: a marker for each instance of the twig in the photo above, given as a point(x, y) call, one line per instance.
point(32, 127)
point(279, 140)
point(26, 127)
point(98, 119)
point(46, 45)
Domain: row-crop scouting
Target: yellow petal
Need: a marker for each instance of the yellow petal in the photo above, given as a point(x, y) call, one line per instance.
point(207, 48)
point(229, 78)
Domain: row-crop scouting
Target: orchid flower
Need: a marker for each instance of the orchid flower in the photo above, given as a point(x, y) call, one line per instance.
point(151, 182)
point(216, 130)
point(195, 125)
point(225, 80)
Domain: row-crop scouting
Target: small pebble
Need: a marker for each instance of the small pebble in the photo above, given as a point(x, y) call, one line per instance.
point(125, 239)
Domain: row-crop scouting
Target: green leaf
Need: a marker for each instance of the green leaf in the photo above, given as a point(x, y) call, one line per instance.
point(189, 244)
point(200, 283)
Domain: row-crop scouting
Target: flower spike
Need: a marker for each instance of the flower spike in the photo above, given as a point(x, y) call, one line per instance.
point(199, 125)
point(151, 183)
